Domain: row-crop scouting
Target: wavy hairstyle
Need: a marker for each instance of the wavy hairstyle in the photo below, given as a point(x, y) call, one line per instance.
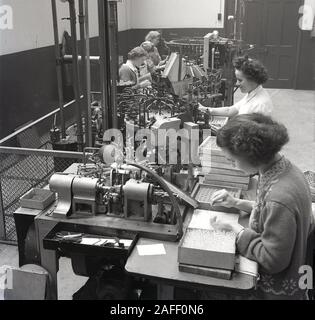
point(136, 52)
point(252, 69)
point(254, 137)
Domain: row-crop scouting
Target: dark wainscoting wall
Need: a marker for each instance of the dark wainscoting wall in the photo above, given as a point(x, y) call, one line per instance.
point(28, 86)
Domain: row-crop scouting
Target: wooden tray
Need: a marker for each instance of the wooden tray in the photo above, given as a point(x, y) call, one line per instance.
point(203, 192)
point(37, 198)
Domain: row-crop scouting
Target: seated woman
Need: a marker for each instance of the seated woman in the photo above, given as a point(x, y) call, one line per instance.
point(163, 49)
point(129, 73)
point(154, 38)
point(150, 66)
point(250, 75)
point(281, 217)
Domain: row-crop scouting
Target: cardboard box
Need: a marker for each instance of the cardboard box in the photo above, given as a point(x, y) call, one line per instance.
point(37, 198)
point(207, 248)
point(203, 246)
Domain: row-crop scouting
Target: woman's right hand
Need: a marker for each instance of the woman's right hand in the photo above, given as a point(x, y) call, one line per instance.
point(202, 108)
point(223, 198)
point(145, 83)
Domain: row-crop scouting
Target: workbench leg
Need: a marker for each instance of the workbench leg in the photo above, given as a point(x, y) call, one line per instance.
point(165, 292)
point(48, 258)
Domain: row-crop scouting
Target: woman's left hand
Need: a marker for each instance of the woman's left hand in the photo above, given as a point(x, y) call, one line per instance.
point(221, 225)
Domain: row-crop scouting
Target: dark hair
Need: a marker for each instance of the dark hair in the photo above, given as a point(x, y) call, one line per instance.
point(137, 52)
point(254, 137)
point(253, 69)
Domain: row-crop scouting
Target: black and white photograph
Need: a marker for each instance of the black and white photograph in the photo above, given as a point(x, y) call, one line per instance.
point(157, 156)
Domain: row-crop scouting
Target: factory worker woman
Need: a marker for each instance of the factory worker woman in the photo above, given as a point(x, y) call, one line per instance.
point(154, 37)
point(281, 218)
point(250, 75)
point(149, 48)
point(129, 73)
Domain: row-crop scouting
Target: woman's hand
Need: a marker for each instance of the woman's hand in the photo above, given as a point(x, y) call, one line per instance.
point(203, 108)
point(145, 83)
point(162, 63)
point(221, 225)
point(160, 68)
point(223, 198)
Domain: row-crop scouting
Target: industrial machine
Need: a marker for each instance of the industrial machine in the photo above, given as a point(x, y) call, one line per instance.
point(128, 191)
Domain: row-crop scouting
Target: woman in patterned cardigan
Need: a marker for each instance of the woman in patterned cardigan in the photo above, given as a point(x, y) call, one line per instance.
point(281, 217)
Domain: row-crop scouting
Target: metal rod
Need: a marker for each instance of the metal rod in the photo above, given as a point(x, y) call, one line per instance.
point(235, 18)
point(102, 52)
point(41, 152)
point(14, 134)
point(81, 17)
point(76, 76)
point(2, 216)
point(108, 63)
point(68, 58)
point(84, 38)
point(113, 27)
point(88, 74)
point(58, 68)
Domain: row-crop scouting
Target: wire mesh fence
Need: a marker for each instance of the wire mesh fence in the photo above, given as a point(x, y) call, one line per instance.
point(28, 160)
point(21, 172)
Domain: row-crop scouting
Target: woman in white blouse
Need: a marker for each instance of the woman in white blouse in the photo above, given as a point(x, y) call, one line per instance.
point(250, 75)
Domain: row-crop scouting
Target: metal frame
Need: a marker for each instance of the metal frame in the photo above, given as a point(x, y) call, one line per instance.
point(58, 68)
point(2, 219)
point(14, 165)
point(107, 60)
point(11, 136)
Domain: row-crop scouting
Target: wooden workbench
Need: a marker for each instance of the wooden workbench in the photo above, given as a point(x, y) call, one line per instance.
point(163, 270)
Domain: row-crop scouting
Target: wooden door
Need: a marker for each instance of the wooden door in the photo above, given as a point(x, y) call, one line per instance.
point(272, 26)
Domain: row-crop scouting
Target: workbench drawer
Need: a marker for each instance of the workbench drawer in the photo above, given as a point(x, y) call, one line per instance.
point(84, 244)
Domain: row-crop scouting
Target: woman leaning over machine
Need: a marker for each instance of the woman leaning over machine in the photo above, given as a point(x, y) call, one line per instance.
point(250, 75)
point(148, 46)
point(281, 217)
point(129, 71)
point(154, 37)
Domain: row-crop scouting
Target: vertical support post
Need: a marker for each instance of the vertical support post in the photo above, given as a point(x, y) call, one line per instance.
point(2, 216)
point(113, 40)
point(108, 62)
point(235, 19)
point(58, 68)
point(84, 57)
point(103, 63)
point(88, 74)
point(180, 65)
point(76, 76)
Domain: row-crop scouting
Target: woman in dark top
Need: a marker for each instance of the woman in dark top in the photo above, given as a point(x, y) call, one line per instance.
point(281, 217)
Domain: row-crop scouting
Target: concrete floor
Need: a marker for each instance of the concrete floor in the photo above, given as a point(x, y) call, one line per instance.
point(295, 109)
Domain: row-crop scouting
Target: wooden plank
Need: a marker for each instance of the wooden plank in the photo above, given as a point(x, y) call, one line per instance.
point(228, 178)
point(214, 158)
point(225, 184)
point(229, 172)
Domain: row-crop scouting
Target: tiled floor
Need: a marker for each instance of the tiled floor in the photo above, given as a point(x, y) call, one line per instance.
point(295, 109)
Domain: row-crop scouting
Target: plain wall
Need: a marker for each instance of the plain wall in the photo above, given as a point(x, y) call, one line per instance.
point(176, 14)
point(33, 26)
